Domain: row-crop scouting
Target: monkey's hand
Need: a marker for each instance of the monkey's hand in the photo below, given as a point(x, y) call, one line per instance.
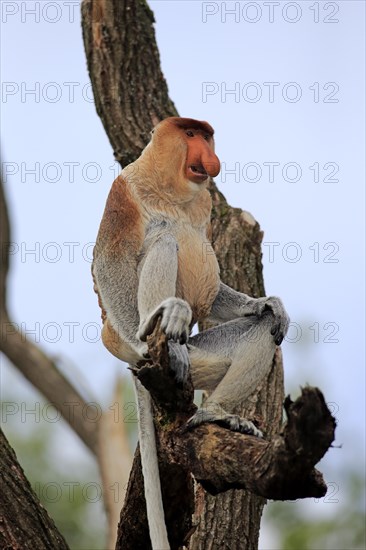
point(281, 320)
point(175, 317)
point(211, 412)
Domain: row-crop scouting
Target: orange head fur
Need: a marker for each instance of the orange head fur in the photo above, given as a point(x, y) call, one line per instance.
point(183, 155)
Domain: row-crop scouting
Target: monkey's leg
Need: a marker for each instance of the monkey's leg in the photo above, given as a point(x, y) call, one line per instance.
point(236, 355)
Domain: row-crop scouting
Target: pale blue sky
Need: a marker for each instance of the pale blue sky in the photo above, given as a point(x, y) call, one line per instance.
point(320, 223)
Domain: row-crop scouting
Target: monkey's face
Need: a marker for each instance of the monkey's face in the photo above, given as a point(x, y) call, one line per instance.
point(201, 162)
point(185, 150)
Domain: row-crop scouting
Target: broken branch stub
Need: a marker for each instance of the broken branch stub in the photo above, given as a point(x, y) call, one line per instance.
point(279, 469)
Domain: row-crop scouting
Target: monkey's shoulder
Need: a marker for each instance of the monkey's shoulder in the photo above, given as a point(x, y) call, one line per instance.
point(121, 228)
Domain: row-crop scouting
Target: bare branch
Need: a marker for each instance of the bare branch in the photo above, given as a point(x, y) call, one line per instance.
point(30, 360)
point(43, 373)
point(279, 469)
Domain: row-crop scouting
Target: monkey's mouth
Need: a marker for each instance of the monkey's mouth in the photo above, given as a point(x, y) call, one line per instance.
point(197, 173)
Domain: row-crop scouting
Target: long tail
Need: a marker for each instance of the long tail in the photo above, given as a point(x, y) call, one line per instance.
point(150, 470)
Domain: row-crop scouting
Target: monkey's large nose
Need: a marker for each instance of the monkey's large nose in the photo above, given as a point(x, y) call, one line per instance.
point(210, 163)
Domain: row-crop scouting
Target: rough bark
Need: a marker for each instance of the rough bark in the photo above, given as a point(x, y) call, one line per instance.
point(131, 97)
point(130, 92)
point(24, 523)
point(232, 519)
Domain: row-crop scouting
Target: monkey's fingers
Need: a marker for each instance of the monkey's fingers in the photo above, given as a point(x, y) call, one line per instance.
point(176, 330)
point(278, 334)
point(280, 328)
point(175, 320)
point(231, 421)
point(281, 319)
point(147, 327)
point(175, 317)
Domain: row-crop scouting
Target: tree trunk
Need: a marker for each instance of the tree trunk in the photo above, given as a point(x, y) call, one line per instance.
point(24, 523)
point(131, 96)
point(232, 519)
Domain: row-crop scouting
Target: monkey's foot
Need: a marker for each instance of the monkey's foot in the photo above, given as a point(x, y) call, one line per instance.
point(217, 415)
point(178, 360)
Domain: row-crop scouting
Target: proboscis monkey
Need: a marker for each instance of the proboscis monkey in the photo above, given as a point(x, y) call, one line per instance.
point(153, 259)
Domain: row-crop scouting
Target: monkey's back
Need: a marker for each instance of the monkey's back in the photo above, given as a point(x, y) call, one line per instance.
point(117, 247)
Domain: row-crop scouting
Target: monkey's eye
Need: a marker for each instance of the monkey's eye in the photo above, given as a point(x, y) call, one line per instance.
point(206, 137)
point(189, 133)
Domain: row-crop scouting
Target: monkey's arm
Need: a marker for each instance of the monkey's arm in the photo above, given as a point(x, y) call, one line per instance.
point(157, 289)
point(230, 304)
point(156, 298)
